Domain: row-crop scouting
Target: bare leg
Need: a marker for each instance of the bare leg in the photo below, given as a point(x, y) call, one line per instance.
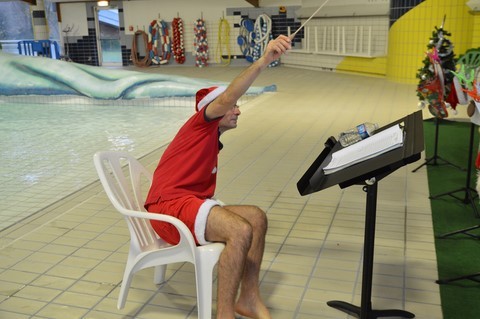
point(236, 233)
point(250, 303)
point(243, 229)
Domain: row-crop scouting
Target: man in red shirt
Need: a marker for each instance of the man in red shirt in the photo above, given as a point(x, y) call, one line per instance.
point(184, 184)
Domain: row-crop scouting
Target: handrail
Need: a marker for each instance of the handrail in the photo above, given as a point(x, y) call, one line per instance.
point(339, 40)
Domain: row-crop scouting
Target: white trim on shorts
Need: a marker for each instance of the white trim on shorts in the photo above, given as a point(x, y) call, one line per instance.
point(201, 220)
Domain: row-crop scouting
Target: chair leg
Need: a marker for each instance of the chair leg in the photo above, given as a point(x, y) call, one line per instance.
point(125, 286)
point(204, 281)
point(159, 274)
point(158, 277)
point(204, 295)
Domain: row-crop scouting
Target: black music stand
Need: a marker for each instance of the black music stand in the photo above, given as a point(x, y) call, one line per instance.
point(435, 158)
point(367, 173)
point(470, 193)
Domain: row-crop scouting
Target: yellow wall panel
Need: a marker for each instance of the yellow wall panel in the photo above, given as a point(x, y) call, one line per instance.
point(369, 66)
point(409, 35)
point(476, 31)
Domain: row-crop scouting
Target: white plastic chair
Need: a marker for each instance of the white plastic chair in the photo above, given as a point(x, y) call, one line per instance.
point(123, 188)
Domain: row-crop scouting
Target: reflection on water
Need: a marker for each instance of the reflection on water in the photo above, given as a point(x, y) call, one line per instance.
point(121, 142)
point(47, 149)
point(31, 178)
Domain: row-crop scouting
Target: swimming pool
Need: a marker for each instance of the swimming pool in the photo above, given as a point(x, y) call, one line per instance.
point(47, 149)
point(55, 115)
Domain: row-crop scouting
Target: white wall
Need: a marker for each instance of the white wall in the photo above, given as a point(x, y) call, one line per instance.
point(141, 13)
point(74, 15)
point(278, 3)
point(344, 8)
point(317, 3)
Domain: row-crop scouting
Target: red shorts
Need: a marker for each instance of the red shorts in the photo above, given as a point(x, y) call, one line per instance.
point(191, 210)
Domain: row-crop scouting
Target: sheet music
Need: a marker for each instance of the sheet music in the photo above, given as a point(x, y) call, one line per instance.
point(375, 145)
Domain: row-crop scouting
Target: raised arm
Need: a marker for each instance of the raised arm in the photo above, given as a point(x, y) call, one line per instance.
point(238, 87)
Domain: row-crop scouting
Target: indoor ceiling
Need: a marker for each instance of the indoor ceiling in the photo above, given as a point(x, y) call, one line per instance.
point(254, 3)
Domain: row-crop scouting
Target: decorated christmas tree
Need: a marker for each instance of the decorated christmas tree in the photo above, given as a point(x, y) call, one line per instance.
point(435, 77)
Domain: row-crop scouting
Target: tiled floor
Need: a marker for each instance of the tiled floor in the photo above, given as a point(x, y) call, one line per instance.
point(67, 260)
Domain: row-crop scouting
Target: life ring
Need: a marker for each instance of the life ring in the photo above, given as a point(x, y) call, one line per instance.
point(178, 48)
point(153, 42)
point(163, 45)
point(245, 38)
point(263, 35)
point(200, 43)
point(159, 42)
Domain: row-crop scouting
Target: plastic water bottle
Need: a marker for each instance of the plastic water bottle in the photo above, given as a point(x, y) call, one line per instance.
point(358, 133)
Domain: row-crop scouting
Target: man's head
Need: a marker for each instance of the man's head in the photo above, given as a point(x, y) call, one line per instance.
point(229, 120)
point(206, 96)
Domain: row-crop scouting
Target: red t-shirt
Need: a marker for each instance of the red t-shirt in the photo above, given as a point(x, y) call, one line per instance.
point(189, 164)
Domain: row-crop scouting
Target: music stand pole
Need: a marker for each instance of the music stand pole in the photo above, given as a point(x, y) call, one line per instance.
point(365, 311)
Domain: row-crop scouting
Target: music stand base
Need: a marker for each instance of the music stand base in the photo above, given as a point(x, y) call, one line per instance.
point(358, 312)
point(472, 277)
point(465, 231)
point(469, 198)
point(435, 160)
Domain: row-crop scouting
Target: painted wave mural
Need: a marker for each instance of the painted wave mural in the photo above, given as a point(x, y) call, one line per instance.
point(25, 75)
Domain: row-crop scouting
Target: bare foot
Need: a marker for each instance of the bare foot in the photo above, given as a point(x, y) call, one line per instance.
point(252, 309)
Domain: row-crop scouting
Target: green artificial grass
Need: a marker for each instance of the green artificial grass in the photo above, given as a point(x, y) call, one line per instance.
point(457, 255)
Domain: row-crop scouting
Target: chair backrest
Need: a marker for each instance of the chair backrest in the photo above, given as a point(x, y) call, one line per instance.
point(122, 177)
point(471, 60)
point(470, 66)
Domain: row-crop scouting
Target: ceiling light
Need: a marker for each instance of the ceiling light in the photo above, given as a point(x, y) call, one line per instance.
point(103, 3)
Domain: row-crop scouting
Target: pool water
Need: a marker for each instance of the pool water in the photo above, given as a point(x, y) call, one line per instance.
point(47, 149)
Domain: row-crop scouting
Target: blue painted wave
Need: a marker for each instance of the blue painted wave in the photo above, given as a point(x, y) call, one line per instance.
point(25, 75)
